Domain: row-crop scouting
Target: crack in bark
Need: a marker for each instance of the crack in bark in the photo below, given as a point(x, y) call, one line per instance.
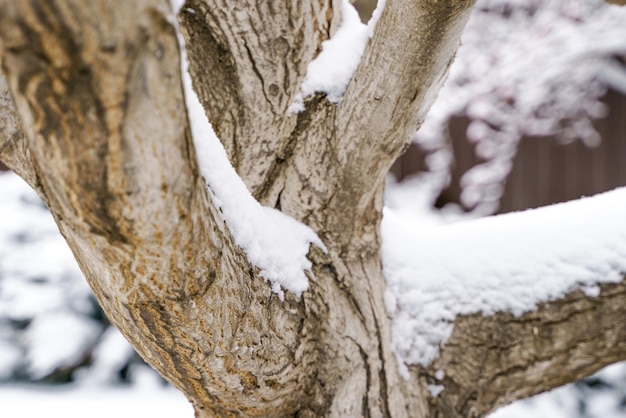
point(365, 406)
point(258, 73)
point(382, 372)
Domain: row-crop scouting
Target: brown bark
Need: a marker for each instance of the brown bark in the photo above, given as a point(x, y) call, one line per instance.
point(14, 152)
point(107, 143)
point(248, 60)
point(99, 87)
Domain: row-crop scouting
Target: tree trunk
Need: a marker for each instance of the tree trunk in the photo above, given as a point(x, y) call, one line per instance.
point(106, 143)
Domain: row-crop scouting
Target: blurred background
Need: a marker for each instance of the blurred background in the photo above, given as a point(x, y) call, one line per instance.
point(533, 113)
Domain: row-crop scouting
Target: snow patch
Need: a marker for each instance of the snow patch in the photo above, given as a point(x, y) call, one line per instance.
point(435, 390)
point(507, 263)
point(10, 357)
point(49, 351)
point(30, 401)
point(331, 71)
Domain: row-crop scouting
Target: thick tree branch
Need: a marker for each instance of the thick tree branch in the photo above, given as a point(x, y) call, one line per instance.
point(491, 361)
point(98, 85)
point(400, 75)
point(247, 60)
point(357, 142)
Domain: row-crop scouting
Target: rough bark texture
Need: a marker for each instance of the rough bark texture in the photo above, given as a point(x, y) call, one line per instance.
point(14, 152)
point(561, 342)
point(106, 142)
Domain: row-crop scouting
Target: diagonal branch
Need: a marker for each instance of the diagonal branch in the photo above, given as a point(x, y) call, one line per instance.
point(98, 85)
point(491, 361)
point(401, 72)
point(354, 144)
point(248, 60)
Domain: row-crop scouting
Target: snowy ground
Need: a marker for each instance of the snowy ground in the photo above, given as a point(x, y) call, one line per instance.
point(157, 401)
point(94, 402)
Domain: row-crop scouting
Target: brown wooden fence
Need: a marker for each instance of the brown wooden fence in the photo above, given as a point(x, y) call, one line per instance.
point(544, 171)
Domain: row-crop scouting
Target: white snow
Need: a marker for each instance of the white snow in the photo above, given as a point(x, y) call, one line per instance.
point(559, 403)
point(58, 340)
point(331, 71)
point(10, 357)
point(93, 402)
point(505, 263)
point(274, 242)
point(435, 390)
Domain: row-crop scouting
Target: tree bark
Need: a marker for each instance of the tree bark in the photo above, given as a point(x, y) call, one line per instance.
point(106, 142)
point(14, 151)
point(492, 361)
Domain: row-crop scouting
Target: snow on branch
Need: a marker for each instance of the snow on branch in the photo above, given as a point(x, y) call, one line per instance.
point(274, 242)
point(331, 71)
point(508, 263)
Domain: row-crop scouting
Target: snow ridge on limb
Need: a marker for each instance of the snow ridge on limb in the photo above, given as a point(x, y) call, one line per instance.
point(274, 242)
point(331, 71)
point(508, 263)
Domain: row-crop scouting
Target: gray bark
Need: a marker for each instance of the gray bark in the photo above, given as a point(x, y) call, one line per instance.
point(106, 142)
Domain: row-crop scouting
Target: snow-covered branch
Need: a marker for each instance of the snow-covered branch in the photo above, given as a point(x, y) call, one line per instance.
point(522, 290)
point(491, 361)
point(178, 268)
point(111, 143)
point(272, 241)
point(247, 68)
point(507, 263)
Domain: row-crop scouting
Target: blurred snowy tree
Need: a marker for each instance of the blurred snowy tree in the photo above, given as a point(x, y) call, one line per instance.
point(525, 68)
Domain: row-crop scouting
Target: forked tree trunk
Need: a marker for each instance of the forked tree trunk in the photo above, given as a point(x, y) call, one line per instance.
point(106, 143)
